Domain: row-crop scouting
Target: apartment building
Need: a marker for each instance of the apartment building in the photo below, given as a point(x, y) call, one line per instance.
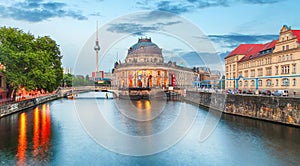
point(274, 65)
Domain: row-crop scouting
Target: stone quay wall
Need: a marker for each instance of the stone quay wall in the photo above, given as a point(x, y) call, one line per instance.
point(11, 108)
point(285, 110)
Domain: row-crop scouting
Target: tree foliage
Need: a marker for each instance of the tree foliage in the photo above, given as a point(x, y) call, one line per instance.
point(30, 62)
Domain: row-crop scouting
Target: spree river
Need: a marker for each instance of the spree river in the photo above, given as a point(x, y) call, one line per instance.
point(53, 134)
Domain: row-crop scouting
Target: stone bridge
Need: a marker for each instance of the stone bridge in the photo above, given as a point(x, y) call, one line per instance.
point(81, 89)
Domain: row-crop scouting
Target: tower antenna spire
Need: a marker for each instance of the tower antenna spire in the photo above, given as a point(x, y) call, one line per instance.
point(97, 48)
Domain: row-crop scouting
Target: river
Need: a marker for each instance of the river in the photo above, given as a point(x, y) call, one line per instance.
point(55, 134)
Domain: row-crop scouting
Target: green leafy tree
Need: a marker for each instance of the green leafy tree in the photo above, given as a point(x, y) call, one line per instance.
point(30, 62)
point(67, 79)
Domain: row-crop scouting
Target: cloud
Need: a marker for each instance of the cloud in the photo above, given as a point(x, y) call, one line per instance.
point(233, 40)
point(38, 10)
point(209, 3)
point(131, 28)
point(136, 29)
point(167, 6)
point(261, 2)
point(185, 6)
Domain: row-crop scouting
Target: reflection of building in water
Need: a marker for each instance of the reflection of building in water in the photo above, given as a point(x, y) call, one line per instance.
point(41, 135)
point(22, 146)
point(144, 67)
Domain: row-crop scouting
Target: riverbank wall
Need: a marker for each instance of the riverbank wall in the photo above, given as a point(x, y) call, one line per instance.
point(14, 107)
point(284, 110)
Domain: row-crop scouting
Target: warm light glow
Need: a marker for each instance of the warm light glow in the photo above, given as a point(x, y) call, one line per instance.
point(147, 105)
point(22, 142)
point(46, 125)
point(140, 72)
point(139, 105)
point(36, 132)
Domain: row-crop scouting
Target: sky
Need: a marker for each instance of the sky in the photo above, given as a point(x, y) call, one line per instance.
point(190, 32)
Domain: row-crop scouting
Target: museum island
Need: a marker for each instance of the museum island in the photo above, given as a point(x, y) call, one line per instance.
point(145, 67)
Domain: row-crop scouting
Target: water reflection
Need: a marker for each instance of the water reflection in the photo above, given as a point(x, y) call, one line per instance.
point(51, 134)
point(40, 121)
point(22, 140)
point(36, 132)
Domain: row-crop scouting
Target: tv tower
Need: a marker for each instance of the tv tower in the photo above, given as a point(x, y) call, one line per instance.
point(97, 48)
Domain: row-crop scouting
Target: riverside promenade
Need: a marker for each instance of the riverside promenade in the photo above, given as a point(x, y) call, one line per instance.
point(17, 106)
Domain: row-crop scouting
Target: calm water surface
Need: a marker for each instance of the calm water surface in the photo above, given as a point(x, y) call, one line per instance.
point(51, 134)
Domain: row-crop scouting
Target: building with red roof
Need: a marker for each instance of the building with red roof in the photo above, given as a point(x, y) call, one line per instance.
point(271, 66)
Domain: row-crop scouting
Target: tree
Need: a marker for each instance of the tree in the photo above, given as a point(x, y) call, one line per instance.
point(30, 62)
point(67, 79)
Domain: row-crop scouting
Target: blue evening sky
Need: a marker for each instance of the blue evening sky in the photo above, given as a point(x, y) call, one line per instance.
point(72, 23)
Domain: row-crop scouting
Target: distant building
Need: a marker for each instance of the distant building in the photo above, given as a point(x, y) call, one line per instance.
point(67, 70)
point(206, 78)
point(144, 67)
point(3, 89)
point(274, 65)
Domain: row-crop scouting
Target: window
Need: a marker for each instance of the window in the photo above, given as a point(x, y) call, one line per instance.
point(277, 83)
point(252, 73)
point(241, 83)
point(294, 82)
point(246, 83)
point(279, 59)
point(287, 47)
point(285, 69)
point(285, 82)
point(269, 82)
point(294, 68)
point(283, 48)
point(259, 82)
point(252, 82)
point(268, 71)
point(276, 70)
point(260, 72)
point(246, 73)
point(291, 57)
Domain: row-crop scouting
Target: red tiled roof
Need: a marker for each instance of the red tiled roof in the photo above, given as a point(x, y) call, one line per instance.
point(269, 45)
point(242, 49)
point(297, 34)
point(251, 50)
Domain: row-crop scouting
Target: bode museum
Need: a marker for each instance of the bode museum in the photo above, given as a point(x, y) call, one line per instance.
point(144, 67)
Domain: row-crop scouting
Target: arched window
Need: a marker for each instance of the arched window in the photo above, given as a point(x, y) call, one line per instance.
point(269, 82)
point(294, 82)
point(259, 82)
point(252, 82)
point(246, 83)
point(285, 82)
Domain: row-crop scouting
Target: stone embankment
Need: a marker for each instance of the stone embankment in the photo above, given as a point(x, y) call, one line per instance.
point(14, 107)
point(285, 110)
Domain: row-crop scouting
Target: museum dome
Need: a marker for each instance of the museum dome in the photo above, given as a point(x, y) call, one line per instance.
point(145, 49)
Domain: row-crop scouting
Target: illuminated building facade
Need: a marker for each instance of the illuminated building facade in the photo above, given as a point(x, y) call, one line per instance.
point(144, 67)
point(274, 65)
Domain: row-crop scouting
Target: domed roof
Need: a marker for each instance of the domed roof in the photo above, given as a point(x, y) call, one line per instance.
point(144, 45)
